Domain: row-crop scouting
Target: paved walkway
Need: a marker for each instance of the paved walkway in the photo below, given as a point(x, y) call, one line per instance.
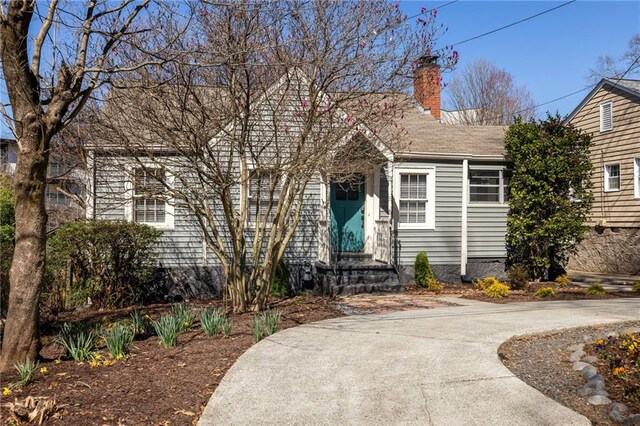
point(611, 281)
point(436, 367)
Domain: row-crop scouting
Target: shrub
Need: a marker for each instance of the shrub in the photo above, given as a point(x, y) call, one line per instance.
point(118, 340)
point(563, 280)
point(257, 328)
point(25, 371)
point(111, 262)
point(434, 285)
point(518, 276)
point(596, 289)
point(271, 321)
point(423, 270)
point(497, 290)
point(185, 314)
point(167, 328)
point(280, 286)
point(140, 324)
point(227, 324)
point(7, 232)
point(545, 292)
point(78, 341)
point(636, 287)
point(211, 321)
point(483, 284)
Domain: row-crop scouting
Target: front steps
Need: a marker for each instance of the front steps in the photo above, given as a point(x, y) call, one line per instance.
point(356, 273)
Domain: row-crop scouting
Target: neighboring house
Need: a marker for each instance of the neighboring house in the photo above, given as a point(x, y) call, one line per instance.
point(445, 194)
point(64, 193)
point(463, 116)
point(611, 114)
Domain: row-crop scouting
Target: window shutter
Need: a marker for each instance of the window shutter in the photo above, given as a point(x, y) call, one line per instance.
point(606, 116)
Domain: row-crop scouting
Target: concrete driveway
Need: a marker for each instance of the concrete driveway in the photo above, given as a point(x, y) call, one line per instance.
point(436, 367)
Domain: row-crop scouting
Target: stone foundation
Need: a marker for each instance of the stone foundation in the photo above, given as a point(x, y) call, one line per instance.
point(609, 251)
point(482, 268)
point(444, 273)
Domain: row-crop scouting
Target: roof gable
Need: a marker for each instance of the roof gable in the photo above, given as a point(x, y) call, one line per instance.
point(632, 87)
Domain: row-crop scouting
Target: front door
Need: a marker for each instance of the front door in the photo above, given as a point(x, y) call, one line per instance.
point(347, 215)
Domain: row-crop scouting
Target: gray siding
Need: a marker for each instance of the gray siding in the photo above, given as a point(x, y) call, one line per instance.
point(486, 229)
point(442, 245)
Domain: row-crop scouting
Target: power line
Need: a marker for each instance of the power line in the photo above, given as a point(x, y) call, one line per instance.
point(514, 23)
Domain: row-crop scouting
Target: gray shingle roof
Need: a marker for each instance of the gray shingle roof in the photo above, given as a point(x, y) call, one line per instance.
point(632, 85)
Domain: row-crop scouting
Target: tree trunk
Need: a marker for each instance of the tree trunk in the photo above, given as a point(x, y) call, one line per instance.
point(21, 339)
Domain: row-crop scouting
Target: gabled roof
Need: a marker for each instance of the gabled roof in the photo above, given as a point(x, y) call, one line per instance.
point(631, 87)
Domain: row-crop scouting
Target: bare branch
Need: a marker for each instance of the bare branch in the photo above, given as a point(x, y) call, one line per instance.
point(40, 38)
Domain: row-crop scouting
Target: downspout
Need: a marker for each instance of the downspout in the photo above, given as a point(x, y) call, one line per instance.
point(463, 227)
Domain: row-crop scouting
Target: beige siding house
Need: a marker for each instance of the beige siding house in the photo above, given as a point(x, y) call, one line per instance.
point(611, 114)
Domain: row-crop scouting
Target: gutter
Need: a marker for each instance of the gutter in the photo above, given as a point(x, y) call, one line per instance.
point(450, 156)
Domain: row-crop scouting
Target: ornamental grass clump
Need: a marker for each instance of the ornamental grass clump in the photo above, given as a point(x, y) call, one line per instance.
point(227, 325)
point(211, 321)
point(78, 343)
point(271, 320)
point(434, 285)
point(563, 280)
point(596, 289)
point(118, 340)
point(483, 284)
point(497, 290)
point(167, 328)
point(140, 324)
point(545, 292)
point(185, 314)
point(25, 371)
point(257, 328)
point(422, 270)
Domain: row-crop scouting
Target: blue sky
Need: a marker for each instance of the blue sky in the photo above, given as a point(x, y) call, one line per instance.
point(550, 54)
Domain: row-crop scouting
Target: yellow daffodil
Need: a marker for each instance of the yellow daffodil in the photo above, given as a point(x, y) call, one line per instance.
point(94, 363)
point(57, 361)
point(119, 357)
point(106, 363)
point(43, 370)
point(6, 391)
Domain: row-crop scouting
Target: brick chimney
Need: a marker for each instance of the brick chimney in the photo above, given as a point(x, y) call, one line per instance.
point(426, 84)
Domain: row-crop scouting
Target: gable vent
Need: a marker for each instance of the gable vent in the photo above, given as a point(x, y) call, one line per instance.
point(606, 116)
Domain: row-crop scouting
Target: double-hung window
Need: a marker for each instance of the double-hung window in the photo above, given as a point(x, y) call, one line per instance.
point(415, 194)
point(612, 177)
point(149, 205)
point(488, 186)
point(264, 194)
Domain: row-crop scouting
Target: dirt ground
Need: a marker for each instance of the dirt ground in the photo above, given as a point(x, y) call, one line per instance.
point(542, 362)
point(153, 385)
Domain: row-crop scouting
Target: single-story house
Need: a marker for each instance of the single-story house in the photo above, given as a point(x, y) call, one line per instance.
point(445, 194)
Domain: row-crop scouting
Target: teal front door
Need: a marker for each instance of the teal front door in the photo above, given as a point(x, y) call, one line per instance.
point(347, 216)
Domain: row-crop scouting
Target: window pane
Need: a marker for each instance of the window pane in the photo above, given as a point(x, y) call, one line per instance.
point(404, 186)
point(484, 177)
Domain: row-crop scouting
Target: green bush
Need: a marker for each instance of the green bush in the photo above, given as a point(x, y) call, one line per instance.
point(518, 276)
point(636, 287)
point(111, 262)
point(545, 292)
point(423, 271)
point(497, 291)
point(563, 280)
point(25, 371)
point(7, 233)
point(596, 289)
point(167, 328)
point(212, 320)
point(185, 314)
point(118, 340)
point(280, 286)
point(78, 341)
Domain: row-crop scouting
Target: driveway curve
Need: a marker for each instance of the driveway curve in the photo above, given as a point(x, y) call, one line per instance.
point(436, 367)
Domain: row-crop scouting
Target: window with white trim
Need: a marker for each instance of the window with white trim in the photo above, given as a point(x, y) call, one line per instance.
point(264, 194)
point(489, 186)
point(149, 206)
point(415, 195)
point(636, 177)
point(606, 116)
point(612, 177)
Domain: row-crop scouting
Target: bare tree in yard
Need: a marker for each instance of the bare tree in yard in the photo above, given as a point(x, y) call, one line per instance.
point(276, 96)
point(625, 66)
point(49, 78)
point(487, 95)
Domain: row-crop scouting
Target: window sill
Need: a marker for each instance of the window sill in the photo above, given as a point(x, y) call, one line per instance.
point(159, 226)
point(472, 204)
point(416, 227)
point(611, 190)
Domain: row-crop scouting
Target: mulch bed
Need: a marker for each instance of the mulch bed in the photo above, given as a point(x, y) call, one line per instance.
point(542, 362)
point(570, 292)
point(153, 385)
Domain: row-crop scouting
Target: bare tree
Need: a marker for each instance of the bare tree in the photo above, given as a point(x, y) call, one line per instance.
point(54, 55)
point(483, 94)
point(627, 65)
point(276, 97)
